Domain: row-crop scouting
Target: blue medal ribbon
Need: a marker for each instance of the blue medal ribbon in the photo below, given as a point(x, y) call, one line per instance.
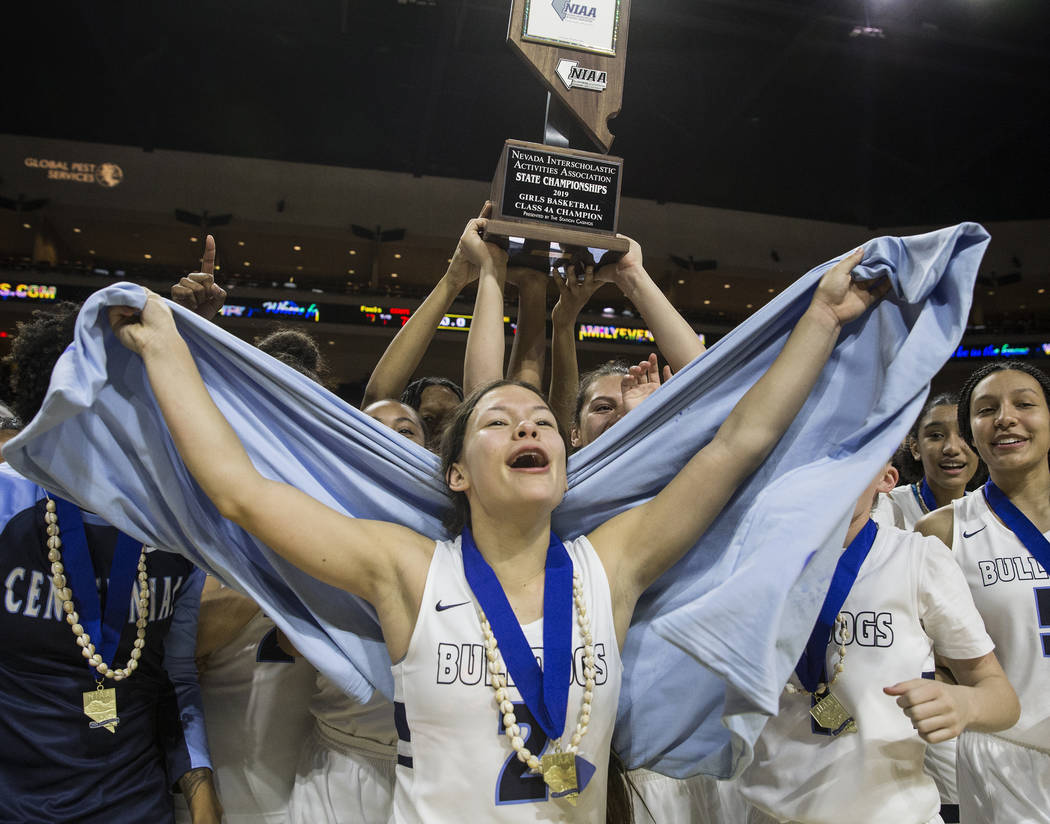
point(1027, 532)
point(811, 668)
point(545, 691)
point(105, 631)
point(927, 496)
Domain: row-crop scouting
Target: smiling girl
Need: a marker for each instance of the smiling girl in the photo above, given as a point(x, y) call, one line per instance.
point(999, 538)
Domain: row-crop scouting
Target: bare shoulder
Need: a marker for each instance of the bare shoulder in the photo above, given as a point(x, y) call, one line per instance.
point(938, 524)
point(408, 552)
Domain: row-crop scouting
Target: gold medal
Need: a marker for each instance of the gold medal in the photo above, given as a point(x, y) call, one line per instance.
point(831, 715)
point(559, 771)
point(100, 705)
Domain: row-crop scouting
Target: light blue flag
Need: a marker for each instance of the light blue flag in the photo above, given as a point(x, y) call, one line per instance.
point(712, 643)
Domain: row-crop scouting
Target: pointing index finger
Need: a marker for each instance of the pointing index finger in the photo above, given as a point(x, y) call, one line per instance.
point(208, 261)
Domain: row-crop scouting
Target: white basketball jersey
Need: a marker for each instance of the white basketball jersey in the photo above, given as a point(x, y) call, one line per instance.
point(255, 707)
point(1012, 592)
point(346, 724)
point(900, 507)
point(908, 598)
point(454, 762)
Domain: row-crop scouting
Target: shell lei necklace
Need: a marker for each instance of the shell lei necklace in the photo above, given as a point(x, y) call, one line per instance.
point(557, 767)
point(100, 704)
point(828, 711)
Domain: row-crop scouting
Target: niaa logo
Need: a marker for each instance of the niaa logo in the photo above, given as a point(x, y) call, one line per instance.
point(577, 11)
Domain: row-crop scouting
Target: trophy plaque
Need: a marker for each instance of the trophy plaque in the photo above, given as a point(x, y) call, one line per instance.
point(549, 192)
point(562, 196)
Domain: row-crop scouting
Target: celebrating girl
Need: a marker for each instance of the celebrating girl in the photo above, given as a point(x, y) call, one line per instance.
point(486, 731)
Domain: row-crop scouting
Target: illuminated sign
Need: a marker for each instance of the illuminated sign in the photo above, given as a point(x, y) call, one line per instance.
point(106, 175)
point(290, 307)
point(285, 308)
point(378, 316)
point(461, 323)
point(27, 291)
point(1002, 351)
point(373, 314)
point(628, 334)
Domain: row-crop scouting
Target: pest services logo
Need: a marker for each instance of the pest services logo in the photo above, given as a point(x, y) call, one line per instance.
point(581, 12)
point(106, 175)
point(575, 76)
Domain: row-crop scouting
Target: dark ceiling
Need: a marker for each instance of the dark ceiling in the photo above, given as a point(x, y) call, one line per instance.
point(761, 105)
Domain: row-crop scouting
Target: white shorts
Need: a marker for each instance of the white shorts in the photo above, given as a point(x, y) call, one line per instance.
point(340, 786)
point(666, 800)
point(756, 816)
point(1001, 782)
point(939, 764)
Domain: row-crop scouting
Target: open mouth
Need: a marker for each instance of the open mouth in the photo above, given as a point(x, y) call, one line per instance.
point(529, 459)
point(952, 467)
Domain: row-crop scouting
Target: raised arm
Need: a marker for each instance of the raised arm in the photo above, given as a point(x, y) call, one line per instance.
point(383, 563)
point(529, 349)
point(402, 357)
point(565, 372)
point(675, 519)
point(675, 338)
point(486, 346)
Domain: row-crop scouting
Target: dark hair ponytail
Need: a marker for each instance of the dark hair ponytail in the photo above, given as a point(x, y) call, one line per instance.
point(618, 806)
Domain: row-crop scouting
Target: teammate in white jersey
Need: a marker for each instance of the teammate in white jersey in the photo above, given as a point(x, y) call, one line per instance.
point(946, 464)
point(998, 536)
point(255, 696)
point(908, 597)
point(945, 461)
point(504, 461)
point(346, 766)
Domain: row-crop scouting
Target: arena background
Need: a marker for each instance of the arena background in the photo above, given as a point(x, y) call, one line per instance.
point(759, 137)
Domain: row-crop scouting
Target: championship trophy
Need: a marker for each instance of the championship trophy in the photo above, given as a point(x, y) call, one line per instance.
point(550, 193)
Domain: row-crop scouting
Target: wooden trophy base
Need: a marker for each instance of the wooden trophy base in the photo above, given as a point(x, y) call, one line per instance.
point(553, 233)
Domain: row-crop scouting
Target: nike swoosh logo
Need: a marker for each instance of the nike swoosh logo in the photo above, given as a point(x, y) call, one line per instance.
point(440, 607)
point(971, 534)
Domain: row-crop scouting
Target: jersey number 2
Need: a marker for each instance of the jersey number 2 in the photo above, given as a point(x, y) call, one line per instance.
point(1042, 612)
point(516, 784)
